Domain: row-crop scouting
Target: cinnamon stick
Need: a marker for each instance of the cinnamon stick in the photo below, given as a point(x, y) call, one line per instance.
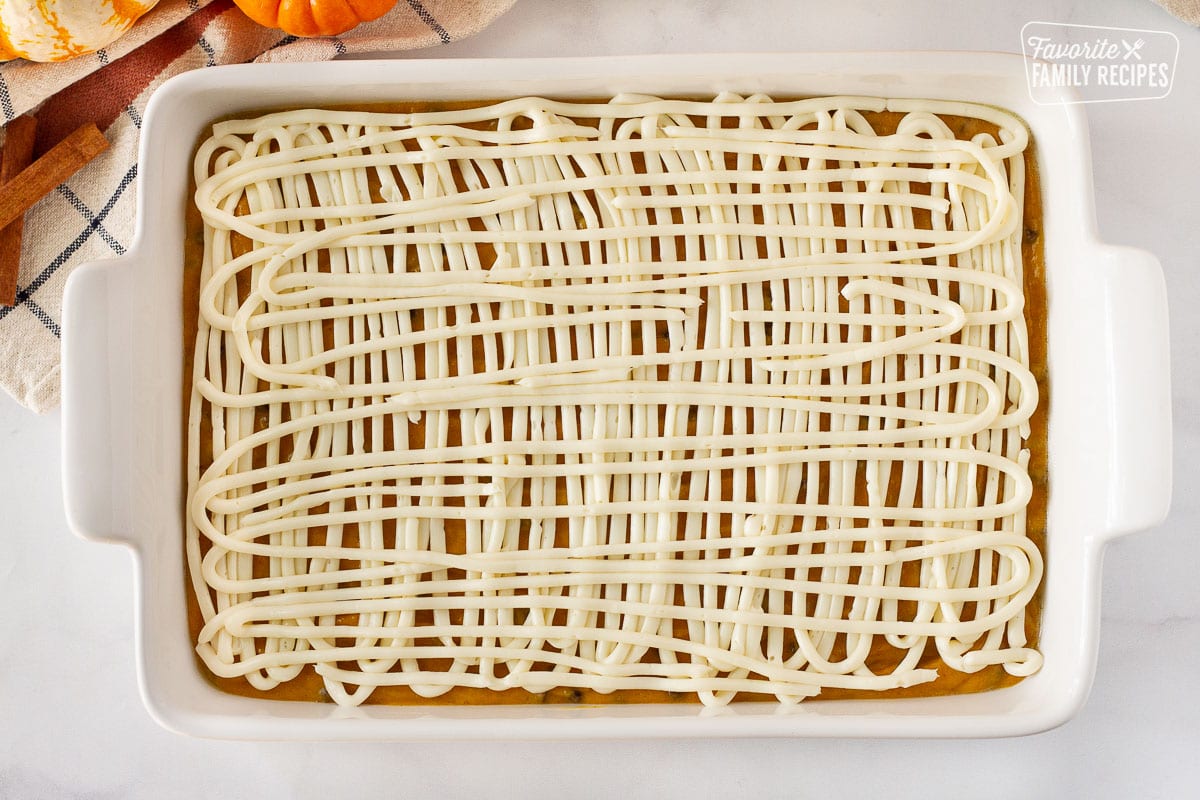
point(18, 152)
point(39, 178)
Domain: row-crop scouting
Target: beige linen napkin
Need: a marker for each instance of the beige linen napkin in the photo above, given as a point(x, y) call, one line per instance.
point(1186, 10)
point(91, 215)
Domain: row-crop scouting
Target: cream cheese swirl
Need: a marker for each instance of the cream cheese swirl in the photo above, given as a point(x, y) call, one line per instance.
point(709, 397)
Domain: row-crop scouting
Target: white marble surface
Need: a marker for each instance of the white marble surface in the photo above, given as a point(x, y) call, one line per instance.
point(71, 722)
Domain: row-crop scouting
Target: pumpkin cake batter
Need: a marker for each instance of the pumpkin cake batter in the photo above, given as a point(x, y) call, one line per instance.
point(636, 401)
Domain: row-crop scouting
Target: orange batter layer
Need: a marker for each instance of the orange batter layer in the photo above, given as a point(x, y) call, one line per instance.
point(308, 686)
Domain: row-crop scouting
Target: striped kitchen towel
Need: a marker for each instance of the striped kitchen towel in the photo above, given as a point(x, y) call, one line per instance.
point(1186, 10)
point(91, 216)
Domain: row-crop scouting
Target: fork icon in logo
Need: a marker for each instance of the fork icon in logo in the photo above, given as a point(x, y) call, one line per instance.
point(1132, 49)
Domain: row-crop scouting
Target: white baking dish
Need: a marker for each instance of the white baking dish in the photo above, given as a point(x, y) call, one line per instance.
point(1109, 424)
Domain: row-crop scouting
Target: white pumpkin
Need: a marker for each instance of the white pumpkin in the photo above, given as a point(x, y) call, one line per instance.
point(57, 30)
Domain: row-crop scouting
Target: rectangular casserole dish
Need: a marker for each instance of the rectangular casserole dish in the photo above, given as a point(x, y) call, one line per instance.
point(1109, 427)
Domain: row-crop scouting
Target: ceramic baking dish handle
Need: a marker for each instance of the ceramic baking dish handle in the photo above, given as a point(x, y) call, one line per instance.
point(95, 460)
point(1139, 479)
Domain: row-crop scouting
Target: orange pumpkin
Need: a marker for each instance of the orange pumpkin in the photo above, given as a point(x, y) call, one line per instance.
point(56, 30)
point(314, 17)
